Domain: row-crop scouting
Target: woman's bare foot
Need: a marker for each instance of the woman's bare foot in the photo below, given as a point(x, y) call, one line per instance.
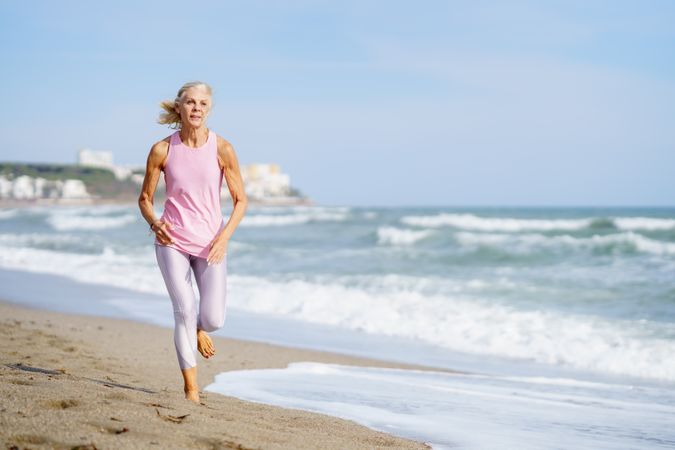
point(205, 344)
point(192, 395)
point(190, 385)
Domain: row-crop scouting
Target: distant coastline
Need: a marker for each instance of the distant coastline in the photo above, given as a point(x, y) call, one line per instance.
point(47, 184)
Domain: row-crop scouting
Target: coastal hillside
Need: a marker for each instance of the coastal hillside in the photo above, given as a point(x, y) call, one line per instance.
point(45, 182)
point(99, 182)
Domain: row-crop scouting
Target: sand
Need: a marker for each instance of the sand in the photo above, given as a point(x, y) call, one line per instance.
point(70, 381)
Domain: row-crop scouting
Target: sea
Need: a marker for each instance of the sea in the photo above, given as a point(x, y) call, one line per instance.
point(560, 322)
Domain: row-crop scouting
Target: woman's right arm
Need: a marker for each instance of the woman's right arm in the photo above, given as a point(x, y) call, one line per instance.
point(153, 170)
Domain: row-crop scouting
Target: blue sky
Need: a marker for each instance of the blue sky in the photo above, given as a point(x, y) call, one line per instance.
point(362, 102)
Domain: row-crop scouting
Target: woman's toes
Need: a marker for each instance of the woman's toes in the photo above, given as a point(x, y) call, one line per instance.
point(205, 344)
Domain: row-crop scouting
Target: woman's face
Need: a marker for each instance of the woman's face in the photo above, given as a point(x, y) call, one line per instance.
point(194, 106)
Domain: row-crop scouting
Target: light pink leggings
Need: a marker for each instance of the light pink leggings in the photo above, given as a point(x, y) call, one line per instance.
point(176, 267)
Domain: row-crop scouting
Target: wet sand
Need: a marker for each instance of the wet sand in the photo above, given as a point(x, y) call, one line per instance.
point(70, 381)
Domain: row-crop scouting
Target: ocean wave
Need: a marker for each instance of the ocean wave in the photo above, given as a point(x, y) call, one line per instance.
point(67, 222)
point(265, 220)
point(526, 242)
point(399, 236)
point(104, 266)
point(49, 241)
point(8, 213)
point(281, 209)
point(643, 223)
point(473, 222)
point(467, 325)
point(91, 262)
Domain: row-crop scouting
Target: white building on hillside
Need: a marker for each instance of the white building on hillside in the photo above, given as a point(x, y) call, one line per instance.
point(25, 187)
point(265, 180)
point(103, 159)
point(94, 158)
point(72, 188)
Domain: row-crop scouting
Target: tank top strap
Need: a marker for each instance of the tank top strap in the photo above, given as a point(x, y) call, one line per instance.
point(212, 140)
point(174, 139)
point(173, 143)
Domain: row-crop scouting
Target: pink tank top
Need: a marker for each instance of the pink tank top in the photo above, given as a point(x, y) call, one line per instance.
point(193, 181)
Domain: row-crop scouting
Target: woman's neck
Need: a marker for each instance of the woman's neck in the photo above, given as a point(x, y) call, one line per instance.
point(194, 137)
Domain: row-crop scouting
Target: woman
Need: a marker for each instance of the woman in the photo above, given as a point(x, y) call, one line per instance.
point(191, 233)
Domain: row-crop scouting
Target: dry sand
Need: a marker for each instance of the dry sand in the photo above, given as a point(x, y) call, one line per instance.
point(84, 382)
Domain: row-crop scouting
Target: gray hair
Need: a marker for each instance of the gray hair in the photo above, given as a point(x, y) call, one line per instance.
point(170, 116)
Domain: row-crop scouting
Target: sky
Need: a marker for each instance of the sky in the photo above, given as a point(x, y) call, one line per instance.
point(365, 103)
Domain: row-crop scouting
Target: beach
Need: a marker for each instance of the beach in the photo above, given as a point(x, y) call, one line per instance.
point(71, 381)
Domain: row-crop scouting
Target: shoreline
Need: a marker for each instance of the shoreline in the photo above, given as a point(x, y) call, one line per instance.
point(73, 380)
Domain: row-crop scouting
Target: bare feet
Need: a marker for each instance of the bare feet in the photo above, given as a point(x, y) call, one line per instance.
point(192, 395)
point(205, 344)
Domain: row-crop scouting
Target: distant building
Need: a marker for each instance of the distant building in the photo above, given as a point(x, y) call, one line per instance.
point(73, 189)
point(5, 187)
point(265, 180)
point(93, 158)
point(25, 187)
point(104, 159)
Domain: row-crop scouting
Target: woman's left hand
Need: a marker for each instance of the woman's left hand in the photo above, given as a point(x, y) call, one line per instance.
point(218, 251)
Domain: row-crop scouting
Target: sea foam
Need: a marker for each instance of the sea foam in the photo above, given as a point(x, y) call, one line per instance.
point(533, 242)
point(399, 236)
point(266, 220)
point(466, 411)
point(67, 222)
point(644, 223)
point(473, 222)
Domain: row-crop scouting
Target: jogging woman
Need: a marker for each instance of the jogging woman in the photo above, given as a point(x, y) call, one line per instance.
point(191, 236)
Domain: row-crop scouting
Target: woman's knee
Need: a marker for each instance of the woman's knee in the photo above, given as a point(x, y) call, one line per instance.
point(210, 324)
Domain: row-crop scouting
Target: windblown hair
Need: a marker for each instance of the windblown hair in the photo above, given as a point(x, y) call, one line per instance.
point(170, 116)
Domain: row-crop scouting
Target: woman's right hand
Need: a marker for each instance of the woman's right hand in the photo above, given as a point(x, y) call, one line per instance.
point(161, 229)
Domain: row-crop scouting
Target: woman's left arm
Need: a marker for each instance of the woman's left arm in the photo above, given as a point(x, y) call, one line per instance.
point(235, 184)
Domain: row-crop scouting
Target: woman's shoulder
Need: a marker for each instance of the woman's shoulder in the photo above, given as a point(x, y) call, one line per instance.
point(225, 151)
point(163, 144)
point(160, 149)
point(223, 144)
